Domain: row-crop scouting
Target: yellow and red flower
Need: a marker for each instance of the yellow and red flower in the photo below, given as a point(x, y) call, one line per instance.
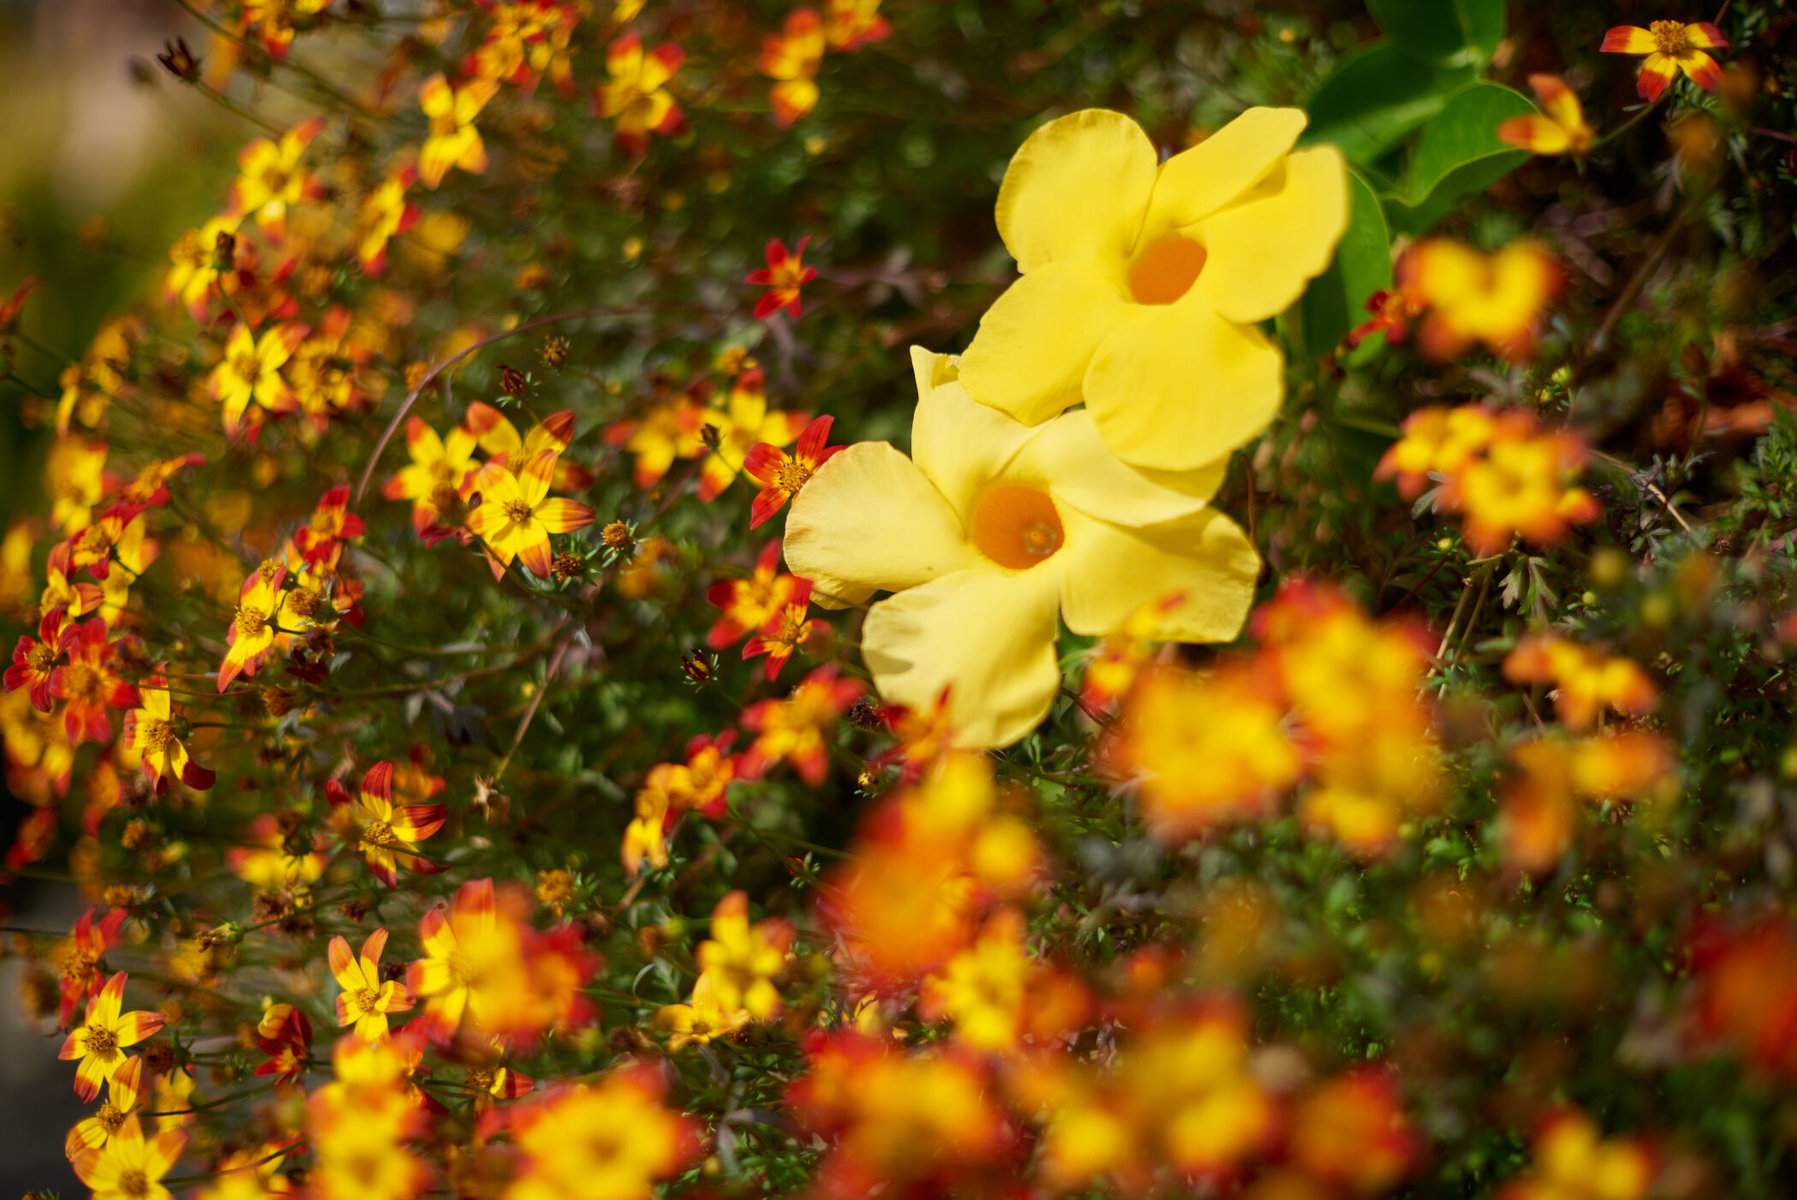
point(793, 729)
point(89, 683)
point(1572, 1159)
point(150, 730)
point(432, 481)
point(515, 517)
point(740, 424)
point(331, 522)
point(853, 24)
point(1586, 680)
point(382, 829)
point(285, 1035)
point(743, 959)
point(129, 1166)
point(98, 1046)
point(783, 276)
point(254, 624)
point(780, 474)
point(1559, 129)
point(453, 140)
point(366, 998)
point(34, 660)
point(91, 1133)
point(1670, 47)
point(385, 214)
point(785, 631)
point(636, 94)
point(750, 603)
point(272, 180)
point(1471, 297)
point(609, 1140)
point(791, 59)
point(250, 373)
point(81, 959)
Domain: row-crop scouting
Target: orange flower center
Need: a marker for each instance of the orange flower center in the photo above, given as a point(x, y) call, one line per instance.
point(792, 475)
point(101, 1042)
point(245, 365)
point(1670, 37)
point(517, 510)
point(156, 735)
point(133, 1182)
point(1016, 527)
point(378, 833)
point(40, 658)
point(110, 1117)
point(250, 621)
point(364, 999)
point(1165, 269)
point(82, 681)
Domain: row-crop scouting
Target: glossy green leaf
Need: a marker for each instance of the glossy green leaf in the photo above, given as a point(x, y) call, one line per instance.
point(1449, 32)
point(1458, 153)
point(1375, 98)
point(1335, 302)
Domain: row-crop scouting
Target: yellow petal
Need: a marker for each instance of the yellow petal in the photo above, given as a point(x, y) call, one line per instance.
point(1067, 460)
point(1177, 387)
point(988, 635)
point(1034, 344)
point(1261, 252)
point(1195, 183)
point(1076, 190)
point(869, 521)
point(1112, 573)
point(960, 446)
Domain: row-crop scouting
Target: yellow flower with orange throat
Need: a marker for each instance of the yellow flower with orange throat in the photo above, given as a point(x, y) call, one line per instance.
point(1143, 282)
point(992, 530)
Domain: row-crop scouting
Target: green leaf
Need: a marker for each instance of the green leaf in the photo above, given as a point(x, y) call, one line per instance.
point(1448, 32)
point(1375, 98)
point(1335, 301)
point(1458, 153)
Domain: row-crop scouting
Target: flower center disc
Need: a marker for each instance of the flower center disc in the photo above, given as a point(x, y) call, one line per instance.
point(1016, 527)
point(1165, 269)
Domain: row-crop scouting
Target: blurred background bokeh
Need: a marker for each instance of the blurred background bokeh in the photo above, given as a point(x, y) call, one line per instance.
point(104, 159)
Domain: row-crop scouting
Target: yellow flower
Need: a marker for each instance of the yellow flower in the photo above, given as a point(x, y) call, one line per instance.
point(130, 1167)
point(1142, 284)
point(1560, 127)
point(251, 372)
point(636, 92)
point(454, 141)
point(742, 960)
point(366, 998)
point(98, 1047)
point(988, 532)
point(272, 180)
point(702, 1020)
point(516, 516)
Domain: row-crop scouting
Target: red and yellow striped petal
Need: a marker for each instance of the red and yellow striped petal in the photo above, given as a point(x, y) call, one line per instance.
point(134, 1027)
point(415, 822)
point(1701, 69)
point(1658, 71)
point(1629, 39)
point(1705, 36)
point(1536, 134)
point(564, 516)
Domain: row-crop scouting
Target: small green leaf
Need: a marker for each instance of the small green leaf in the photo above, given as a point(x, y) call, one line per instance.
point(1448, 32)
point(1336, 300)
point(1458, 153)
point(1375, 98)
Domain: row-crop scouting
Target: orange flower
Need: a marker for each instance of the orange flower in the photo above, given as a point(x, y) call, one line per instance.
point(669, 430)
point(1586, 680)
point(150, 730)
point(1670, 47)
point(254, 624)
point(743, 422)
point(1572, 1163)
point(81, 957)
point(743, 960)
point(609, 1140)
point(791, 59)
point(382, 829)
point(702, 1020)
point(784, 632)
point(129, 1166)
point(433, 479)
point(636, 93)
point(453, 140)
point(272, 181)
point(1472, 297)
point(384, 214)
point(1562, 130)
point(89, 683)
point(250, 372)
point(34, 659)
point(780, 474)
point(793, 729)
point(750, 603)
point(331, 521)
point(1352, 1131)
point(515, 518)
point(462, 948)
point(366, 998)
point(95, 1131)
point(782, 277)
point(856, 23)
point(99, 1045)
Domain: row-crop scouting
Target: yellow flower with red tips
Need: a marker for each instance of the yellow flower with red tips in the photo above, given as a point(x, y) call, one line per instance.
point(1553, 775)
point(784, 632)
point(783, 276)
point(1586, 680)
point(91, 1133)
point(193, 274)
point(609, 1140)
point(129, 1166)
point(669, 430)
point(382, 829)
point(791, 59)
point(385, 213)
point(358, 1124)
point(793, 729)
point(254, 624)
point(366, 998)
point(782, 475)
point(98, 1047)
point(750, 603)
point(89, 683)
point(1573, 1161)
point(743, 959)
point(1352, 1131)
point(501, 440)
point(1670, 47)
point(471, 956)
point(996, 992)
point(853, 24)
point(80, 959)
point(516, 517)
point(1144, 282)
point(706, 1017)
point(1474, 297)
point(150, 729)
point(453, 140)
point(250, 372)
point(273, 21)
point(1559, 129)
point(285, 1035)
point(528, 39)
point(272, 180)
point(331, 522)
point(989, 535)
point(636, 94)
point(743, 421)
point(432, 481)
point(34, 660)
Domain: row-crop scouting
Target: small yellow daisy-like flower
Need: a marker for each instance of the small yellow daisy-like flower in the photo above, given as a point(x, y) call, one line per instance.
point(366, 998)
point(99, 1045)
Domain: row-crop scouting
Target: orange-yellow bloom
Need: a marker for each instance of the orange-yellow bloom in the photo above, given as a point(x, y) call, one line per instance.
point(254, 624)
point(1573, 1163)
point(250, 372)
point(705, 1018)
point(636, 94)
point(740, 424)
point(150, 730)
point(95, 1131)
point(853, 24)
point(1559, 129)
point(383, 829)
point(99, 1045)
point(432, 480)
point(781, 475)
point(515, 517)
point(385, 213)
point(1473, 297)
point(272, 180)
point(1670, 47)
point(1586, 680)
point(743, 959)
point(609, 1140)
point(793, 729)
point(791, 59)
point(129, 1166)
point(366, 998)
point(453, 140)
